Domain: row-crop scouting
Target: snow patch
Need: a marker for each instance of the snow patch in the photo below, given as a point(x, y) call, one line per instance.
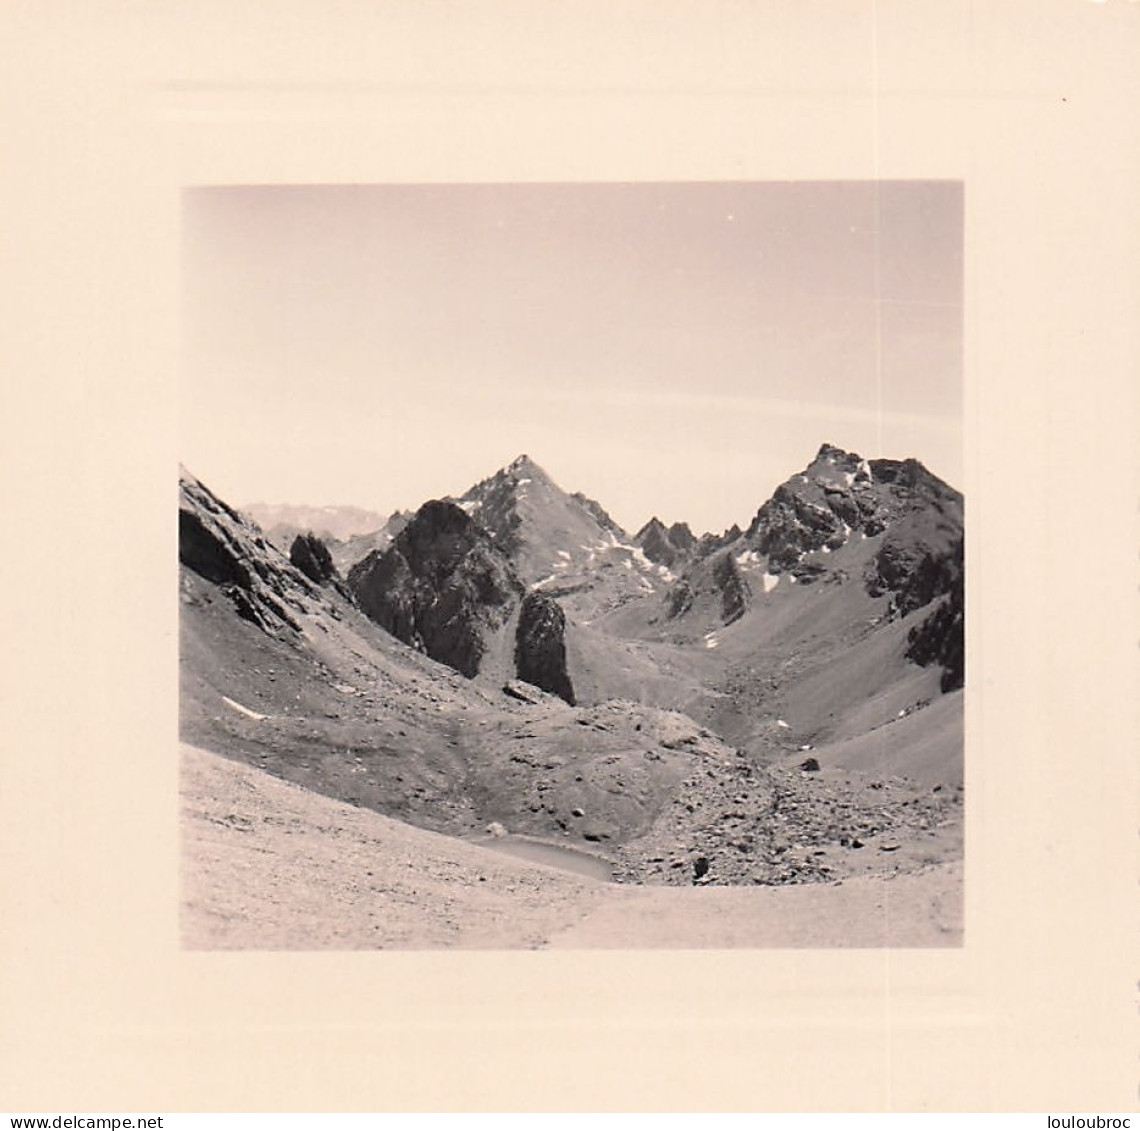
point(242, 710)
point(748, 559)
point(781, 723)
point(545, 581)
point(849, 477)
point(566, 553)
point(770, 582)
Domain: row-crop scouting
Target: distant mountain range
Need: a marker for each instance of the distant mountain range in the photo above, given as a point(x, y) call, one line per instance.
point(285, 520)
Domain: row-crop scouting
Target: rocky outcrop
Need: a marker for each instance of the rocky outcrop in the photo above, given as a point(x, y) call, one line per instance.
point(734, 591)
point(791, 524)
point(282, 522)
point(720, 586)
point(540, 646)
point(311, 556)
point(441, 586)
point(776, 825)
point(840, 494)
point(708, 544)
point(494, 501)
point(665, 546)
point(220, 546)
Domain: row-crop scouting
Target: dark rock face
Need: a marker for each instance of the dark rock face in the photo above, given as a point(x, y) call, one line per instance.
point(722, 581)
point(679, 599)
point(311, 556)
point(790, 525)
point(665, 546)
point(681, 536)
point(208, 553)
point(540, 646)
point(386, 591)
point(940, 638)
point(708, 544)
point(734, 589)
point(220, 546)
point(440, 587)
point(914, 572)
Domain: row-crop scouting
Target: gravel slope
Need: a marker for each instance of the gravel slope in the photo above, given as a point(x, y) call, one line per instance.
point(270, 865)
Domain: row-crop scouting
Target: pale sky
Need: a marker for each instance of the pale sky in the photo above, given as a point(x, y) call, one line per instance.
point(669, 349)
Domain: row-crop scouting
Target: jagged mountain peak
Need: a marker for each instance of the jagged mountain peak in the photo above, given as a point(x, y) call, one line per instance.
point(666, 546)
point(442, 586)
point(653, 527)
point(523, 469)
point(828, 450)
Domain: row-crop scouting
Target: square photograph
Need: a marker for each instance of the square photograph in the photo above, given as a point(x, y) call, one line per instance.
point(572, 566)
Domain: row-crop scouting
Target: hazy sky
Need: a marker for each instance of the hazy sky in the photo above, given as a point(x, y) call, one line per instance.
point(670, 349)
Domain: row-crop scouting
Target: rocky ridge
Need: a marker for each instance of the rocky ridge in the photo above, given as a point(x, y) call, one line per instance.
point(441, 586)
point(888, 526)
point(219, 545)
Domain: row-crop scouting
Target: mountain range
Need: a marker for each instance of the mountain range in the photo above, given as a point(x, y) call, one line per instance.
point(778, 704)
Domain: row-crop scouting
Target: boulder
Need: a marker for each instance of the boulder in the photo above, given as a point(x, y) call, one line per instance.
point(540, 645)
point(311, 556)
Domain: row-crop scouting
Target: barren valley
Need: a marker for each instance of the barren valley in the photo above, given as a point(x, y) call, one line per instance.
point(503, 721)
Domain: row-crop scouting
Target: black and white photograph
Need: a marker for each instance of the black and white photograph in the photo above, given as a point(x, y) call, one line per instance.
point(572, 565)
